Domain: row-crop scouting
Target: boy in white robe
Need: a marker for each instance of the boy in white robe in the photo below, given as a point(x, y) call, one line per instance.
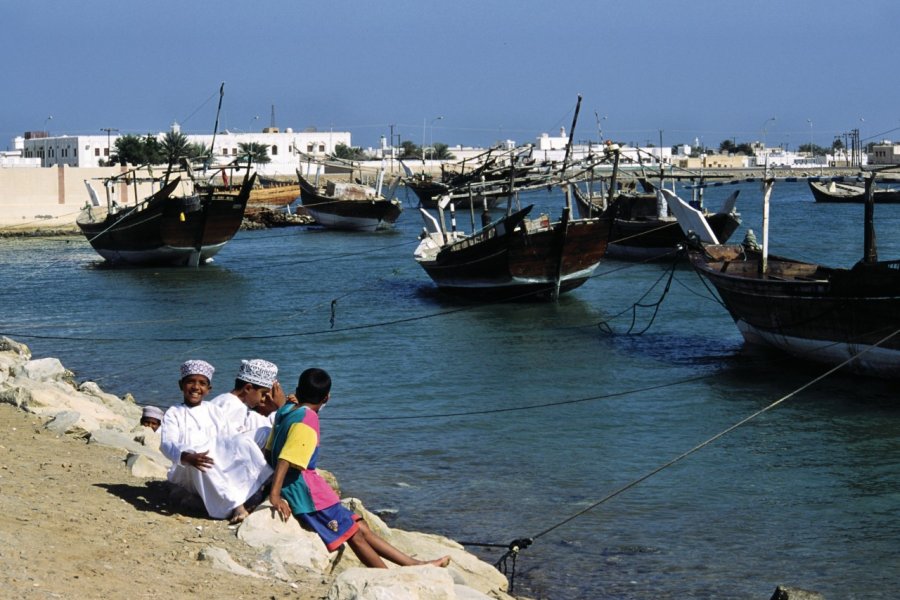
point(252, 389)
point(209, 457)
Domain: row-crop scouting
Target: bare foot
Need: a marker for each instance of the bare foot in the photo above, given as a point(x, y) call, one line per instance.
point(239, 514)
point(439, 562)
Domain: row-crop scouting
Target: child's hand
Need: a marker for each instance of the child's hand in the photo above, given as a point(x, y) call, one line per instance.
point(198, 460)
point(281, 505)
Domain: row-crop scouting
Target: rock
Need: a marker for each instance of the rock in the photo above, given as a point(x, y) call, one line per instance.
point(792, 593)
point(145, 467)
point(422, 583)
point(66, 421)
point(289, 543)
point(465, 568)
point(147, 437)
point(221, 560)
point(14, 347)
point(46, 369)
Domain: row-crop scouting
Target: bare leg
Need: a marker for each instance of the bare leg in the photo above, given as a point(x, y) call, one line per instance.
point(370, 549)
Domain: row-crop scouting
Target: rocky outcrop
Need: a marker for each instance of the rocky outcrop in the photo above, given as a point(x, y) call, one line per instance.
point(46, 388)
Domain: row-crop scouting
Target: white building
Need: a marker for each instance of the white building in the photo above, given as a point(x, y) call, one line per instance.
point(885, 153)
point(284, 148)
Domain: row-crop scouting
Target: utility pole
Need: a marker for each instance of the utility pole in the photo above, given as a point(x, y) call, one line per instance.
point(391, 146)
point(108, 131)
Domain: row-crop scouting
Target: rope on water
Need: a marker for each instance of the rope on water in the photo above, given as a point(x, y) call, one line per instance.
point(520, 543)
point(605, 324)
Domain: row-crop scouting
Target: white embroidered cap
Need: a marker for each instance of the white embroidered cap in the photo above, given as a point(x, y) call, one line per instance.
point(152, 412)
point(197, 367)
point(258, 372)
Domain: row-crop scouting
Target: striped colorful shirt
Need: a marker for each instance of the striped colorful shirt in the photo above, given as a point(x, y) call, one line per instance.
point(295, 438)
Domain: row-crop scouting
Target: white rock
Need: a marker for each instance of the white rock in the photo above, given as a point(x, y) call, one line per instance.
point(45, 369)
point(144, 467)
point(221, 560)
point(289, 542)
point(421, 583)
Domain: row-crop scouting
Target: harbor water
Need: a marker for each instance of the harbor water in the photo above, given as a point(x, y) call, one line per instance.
point(492, 422)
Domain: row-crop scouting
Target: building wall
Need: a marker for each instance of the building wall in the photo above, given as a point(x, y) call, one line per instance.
point(54, 196)
point(284, 148)
point(885, 154)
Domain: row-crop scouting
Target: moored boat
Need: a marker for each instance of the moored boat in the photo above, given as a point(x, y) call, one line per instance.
point(836, 191)
point(348, 206)
point(167, 228)
point(514, 258)
point(814, 312)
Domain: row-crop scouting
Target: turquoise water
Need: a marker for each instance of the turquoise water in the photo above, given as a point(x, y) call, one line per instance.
point(430, 405)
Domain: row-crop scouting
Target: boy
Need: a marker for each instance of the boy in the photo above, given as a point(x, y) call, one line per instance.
point(252, 388)
point(151, 417)
point(208, 456)
point(292, 450)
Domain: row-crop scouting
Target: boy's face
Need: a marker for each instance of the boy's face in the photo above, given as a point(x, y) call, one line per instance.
point(194, 388)
point(150, 422)
point(255, 396)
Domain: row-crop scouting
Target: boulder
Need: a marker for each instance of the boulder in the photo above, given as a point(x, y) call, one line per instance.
point(422, 583)
point(144, 467)
point(46, 369)
point(220, 559)
point(465, 568)
point(288, 541)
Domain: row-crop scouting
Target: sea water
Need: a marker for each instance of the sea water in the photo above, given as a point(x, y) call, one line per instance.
point(492, 422)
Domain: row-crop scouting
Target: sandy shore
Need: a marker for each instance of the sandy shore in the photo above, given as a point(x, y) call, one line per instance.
point(75, 524)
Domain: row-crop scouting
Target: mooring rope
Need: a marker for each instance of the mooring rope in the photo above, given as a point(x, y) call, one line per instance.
point(514, 547)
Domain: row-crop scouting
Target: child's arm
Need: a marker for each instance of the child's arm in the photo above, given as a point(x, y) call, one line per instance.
point(279, 503)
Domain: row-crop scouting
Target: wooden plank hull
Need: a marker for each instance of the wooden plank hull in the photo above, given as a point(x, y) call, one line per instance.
point(509, 261)
point(842, 192)
point(348, 214)
point(815, 313)
point(168, 230)
point(649, 237)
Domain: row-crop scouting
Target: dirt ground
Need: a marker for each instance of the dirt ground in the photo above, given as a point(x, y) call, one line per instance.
point(75, 524)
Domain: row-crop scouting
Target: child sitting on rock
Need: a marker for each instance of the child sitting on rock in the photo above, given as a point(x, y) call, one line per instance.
point(209, 456)
point(298, 489)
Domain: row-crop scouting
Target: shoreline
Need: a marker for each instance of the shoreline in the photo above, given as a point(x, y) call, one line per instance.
point(85, 512)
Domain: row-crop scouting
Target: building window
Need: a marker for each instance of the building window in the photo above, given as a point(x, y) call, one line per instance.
point(234, 151)
point(96, 151)
point(310, 147)
point(106, 152)
point(321, 147)
point(274, 150)
point(224, 151)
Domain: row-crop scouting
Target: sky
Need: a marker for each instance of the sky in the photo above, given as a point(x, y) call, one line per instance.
point(463, 72)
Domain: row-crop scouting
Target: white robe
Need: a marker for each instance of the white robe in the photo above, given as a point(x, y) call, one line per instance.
point(240, 468)
point(244, 419)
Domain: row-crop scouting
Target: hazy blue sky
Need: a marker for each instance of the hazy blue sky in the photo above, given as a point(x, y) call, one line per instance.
point(708, 69)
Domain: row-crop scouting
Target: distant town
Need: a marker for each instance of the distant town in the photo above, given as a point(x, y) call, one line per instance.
point(284, 151)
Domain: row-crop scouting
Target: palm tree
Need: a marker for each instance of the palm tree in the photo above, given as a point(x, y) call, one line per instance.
point(175, 146)
point(255, 152)
point(442, 152)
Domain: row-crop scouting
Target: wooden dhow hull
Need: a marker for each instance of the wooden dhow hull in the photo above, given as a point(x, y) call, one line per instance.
point(333, 212)
point(515, 259)
point(816, 313)
point(167, 229)
point(647, 236)
point(842, 192)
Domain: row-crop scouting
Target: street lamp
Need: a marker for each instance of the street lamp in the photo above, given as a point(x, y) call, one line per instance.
point(811, 153)
point(46, 121)
point(423, 134)
point(765, 128)
point(600, 125)
point(250, 125)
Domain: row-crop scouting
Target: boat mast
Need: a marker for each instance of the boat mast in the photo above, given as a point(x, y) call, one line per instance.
point(569, 148)
point(870, 252)
point(768, 184)
point(215, 128)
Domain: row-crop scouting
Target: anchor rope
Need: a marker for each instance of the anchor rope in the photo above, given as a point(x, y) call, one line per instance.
point(518, 544)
